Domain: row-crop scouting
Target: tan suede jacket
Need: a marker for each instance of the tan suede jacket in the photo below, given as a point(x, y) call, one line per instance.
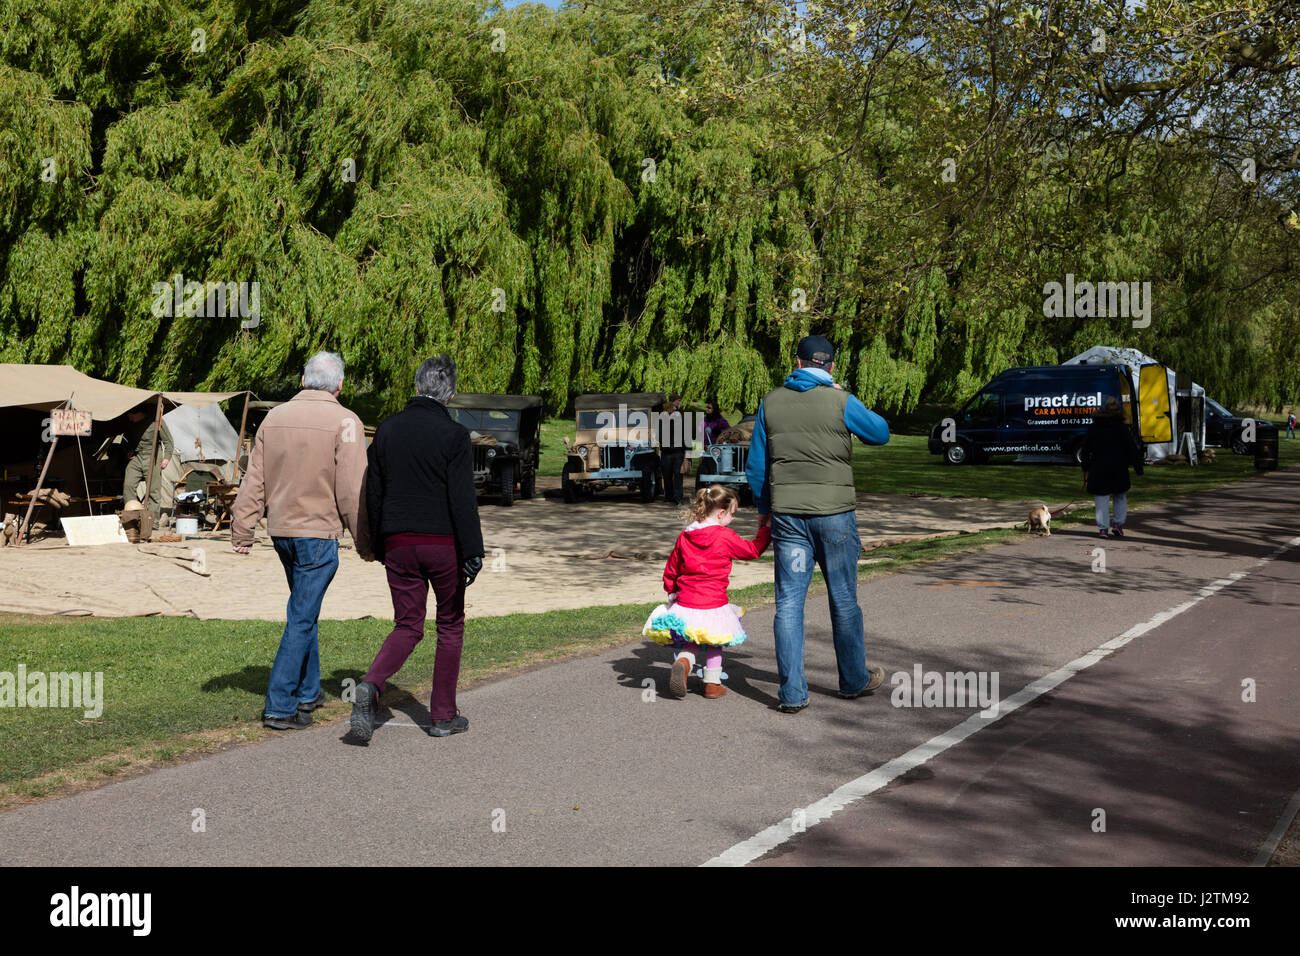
point(307, 474)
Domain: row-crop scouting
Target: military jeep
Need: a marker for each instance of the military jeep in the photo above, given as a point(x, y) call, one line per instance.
point(505, 433)
point(724, 461)
point(614, 445)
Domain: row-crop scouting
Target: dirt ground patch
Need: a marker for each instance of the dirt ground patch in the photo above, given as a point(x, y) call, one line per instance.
point(542, 555)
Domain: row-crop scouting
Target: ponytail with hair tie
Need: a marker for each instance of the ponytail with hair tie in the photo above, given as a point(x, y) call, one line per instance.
point(708, 500)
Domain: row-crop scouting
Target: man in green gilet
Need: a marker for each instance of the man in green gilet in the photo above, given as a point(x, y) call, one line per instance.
point(800, 469)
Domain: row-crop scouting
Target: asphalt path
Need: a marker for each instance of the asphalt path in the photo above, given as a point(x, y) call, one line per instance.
point(581, 762)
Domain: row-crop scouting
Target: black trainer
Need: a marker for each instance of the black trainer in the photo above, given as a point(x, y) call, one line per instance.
point(363, 711)
point(311, 705)
point(445, 728)
point(295, 722)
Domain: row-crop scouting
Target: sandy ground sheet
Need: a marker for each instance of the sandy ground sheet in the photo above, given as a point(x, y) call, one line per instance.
point(541, 555)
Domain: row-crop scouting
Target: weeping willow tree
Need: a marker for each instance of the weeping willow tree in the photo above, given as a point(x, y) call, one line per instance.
point(398, 179)
point(608, 197)
point(1001, 146)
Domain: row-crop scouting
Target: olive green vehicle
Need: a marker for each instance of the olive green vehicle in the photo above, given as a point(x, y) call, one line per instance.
point(505, 433)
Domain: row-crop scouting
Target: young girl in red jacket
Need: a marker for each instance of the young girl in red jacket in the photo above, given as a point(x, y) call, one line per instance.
point(698, 618)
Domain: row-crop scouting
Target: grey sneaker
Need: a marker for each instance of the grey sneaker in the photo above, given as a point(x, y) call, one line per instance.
point(296, 721)
point(445, 728)
point(363, 711)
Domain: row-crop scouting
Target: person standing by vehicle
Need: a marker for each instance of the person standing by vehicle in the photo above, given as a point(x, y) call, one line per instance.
point(714, 424)
point(424, 523)
point(1109, 449)
point(673, 444)
point(306, 474)
point(800, 469)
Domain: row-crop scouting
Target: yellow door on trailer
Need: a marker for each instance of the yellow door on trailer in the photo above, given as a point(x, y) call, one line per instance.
point(1154, 421)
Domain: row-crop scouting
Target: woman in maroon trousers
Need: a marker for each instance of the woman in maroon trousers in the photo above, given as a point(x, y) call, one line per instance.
point(423, 514)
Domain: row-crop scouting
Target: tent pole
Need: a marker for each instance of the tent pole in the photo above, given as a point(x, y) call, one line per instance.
point(239, 447)
point(24, 528)
point(153, 455)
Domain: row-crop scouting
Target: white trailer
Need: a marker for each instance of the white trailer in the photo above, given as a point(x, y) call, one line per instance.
point(1168, 409)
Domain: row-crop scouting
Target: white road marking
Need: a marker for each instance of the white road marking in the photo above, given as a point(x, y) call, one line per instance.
point(1269, 846)
point(764, 842)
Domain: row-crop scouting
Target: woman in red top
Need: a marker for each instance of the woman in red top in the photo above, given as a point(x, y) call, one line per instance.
point(697, 614)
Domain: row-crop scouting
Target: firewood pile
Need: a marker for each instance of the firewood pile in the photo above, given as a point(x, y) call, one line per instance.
point(49, 496)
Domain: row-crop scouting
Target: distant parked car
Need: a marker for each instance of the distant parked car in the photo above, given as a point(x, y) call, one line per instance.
point(505, 433)
point(1224, 429)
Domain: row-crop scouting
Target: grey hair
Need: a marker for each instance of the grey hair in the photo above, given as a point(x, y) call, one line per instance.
point(324, 371)
point(436, 378)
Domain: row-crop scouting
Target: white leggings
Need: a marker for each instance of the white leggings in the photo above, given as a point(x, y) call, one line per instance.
point(1103, 509)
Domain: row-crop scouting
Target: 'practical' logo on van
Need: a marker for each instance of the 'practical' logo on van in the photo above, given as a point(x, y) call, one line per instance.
point(1066, 400)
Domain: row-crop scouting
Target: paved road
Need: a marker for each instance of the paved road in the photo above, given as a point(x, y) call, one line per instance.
point(581, 768)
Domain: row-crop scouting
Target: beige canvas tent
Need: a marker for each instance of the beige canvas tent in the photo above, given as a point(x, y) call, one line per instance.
point(46, 387)
point(43, 387)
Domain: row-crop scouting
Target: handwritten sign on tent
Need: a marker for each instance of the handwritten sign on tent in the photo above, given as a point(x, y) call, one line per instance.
point(70, 422)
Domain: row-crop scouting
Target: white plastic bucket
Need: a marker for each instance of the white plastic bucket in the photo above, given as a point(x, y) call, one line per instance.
point(187, 525)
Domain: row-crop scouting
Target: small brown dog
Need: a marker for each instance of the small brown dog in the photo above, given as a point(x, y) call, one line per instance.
point(1040, 520)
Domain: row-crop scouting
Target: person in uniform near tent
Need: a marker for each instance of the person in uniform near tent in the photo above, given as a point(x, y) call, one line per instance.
point(139, 438)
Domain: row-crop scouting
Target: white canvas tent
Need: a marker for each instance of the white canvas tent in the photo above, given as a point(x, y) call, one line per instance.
point(1160, 419)
point(202, 433)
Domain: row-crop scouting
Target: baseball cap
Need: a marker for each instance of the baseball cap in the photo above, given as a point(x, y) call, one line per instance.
point(816, 349)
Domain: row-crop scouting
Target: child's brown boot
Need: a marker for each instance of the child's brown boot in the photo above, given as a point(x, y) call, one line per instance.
point(677, 680)
point(714, 691)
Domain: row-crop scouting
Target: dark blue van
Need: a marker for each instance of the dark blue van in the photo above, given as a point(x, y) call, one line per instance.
point(1043, 409)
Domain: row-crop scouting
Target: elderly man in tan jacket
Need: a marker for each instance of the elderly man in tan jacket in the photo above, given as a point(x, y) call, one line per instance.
point(307, 474)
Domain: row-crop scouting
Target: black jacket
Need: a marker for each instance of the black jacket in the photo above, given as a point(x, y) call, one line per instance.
point(421, 478)
point(1109, 449)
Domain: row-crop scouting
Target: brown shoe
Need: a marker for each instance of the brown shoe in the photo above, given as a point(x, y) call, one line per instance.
point(677, 681)
point(714, 691)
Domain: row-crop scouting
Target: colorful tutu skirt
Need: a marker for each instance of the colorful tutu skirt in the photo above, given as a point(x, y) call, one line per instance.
point(674, 624)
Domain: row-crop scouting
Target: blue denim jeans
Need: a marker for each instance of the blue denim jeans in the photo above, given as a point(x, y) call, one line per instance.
point(831, 542)
point(309, 565)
